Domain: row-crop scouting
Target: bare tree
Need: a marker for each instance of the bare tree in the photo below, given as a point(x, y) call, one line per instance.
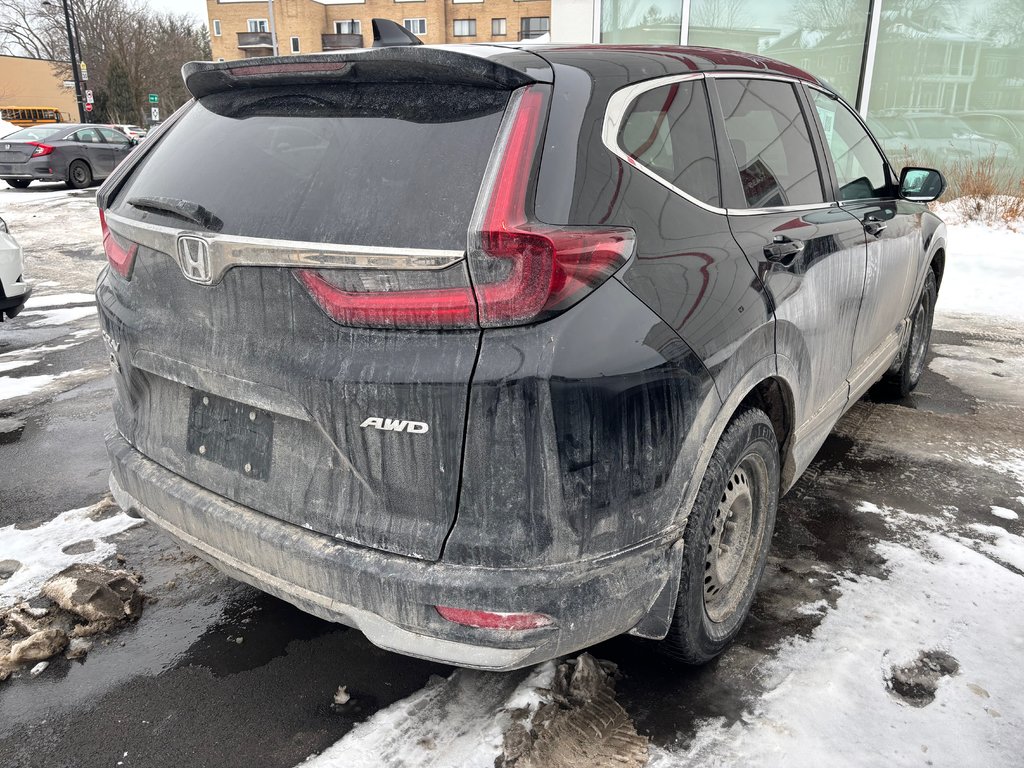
point(717, 14)
point(129, 49)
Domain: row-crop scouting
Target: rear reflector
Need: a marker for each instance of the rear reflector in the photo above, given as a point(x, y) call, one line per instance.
point(120, 254)
point(492, 620)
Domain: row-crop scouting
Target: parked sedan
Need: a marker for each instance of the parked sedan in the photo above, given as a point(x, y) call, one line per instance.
point(131, 131)
point(499, 352)
point(14, 291)
point(74, 153)
point(929, 136)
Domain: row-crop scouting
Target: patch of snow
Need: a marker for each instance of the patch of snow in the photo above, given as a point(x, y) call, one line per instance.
point(59, 316)
point(828, 702)
point(59, 300)
point(1002, 544)
point(11, 388)
point(10, 365)
point(457, 723)
point(40, 550)
point(1003, 512)
point(37, 350)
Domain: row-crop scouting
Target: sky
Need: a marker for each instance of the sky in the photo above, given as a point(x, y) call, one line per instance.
point(195, 7)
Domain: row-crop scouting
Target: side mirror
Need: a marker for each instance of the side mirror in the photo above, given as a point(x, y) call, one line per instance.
point(921, 185)
point(132, 141)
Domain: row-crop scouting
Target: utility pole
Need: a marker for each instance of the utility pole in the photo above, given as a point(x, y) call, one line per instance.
point(273, 31)
point(75, 72)
point(85, 96)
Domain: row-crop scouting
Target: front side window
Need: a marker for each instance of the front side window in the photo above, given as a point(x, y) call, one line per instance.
point(416, 26)
point(257, 25)
point(770, 142)
point(860, 167)
point(465, 27)
point(667, 130)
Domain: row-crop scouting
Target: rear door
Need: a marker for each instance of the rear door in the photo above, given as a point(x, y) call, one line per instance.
point(808, 252)
point(117, 144)
point(280, 336)
point(866, 189)
point(87, 143)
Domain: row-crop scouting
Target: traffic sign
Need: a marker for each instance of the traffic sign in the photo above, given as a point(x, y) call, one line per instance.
point(88, 96)
point(85, 71)
point(69, 83)
point(153, 98)
point(155, 112)
point(88, 107)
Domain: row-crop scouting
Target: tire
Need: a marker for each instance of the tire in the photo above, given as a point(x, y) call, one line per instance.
point(19, 183)
point(79, 175)
point(722, 566)
point(905, 378)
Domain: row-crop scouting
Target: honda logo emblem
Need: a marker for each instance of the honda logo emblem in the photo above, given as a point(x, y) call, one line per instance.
point(194, 257)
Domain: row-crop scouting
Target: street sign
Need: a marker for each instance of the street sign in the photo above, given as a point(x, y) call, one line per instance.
point(85, 71)
point(155, 112)
point(88, 97)
point(88, 107)
point(69, 83)
point(153, 98)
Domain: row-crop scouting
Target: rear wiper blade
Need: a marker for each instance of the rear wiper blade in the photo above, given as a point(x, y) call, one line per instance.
point(183, 209)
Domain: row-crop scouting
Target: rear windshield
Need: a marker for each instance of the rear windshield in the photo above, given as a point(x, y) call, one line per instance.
point(396, 165)
point(36, 133)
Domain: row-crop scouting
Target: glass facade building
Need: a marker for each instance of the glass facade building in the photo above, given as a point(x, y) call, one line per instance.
point(938, 80)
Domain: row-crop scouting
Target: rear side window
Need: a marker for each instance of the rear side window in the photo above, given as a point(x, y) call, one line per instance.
point(396, 165)
point(770, 141)
point(668, 131)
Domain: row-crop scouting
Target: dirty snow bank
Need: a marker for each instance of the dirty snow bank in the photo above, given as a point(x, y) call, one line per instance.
point(36, 554)
point(457, 722)
point(831, 698)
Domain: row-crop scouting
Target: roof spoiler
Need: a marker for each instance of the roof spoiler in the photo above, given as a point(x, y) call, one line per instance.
point(387, 33)
point(391, 64)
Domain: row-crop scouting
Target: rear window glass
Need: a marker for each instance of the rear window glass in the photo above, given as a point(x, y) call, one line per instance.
point(770, 141)
point(36, 133)
point(396, 165)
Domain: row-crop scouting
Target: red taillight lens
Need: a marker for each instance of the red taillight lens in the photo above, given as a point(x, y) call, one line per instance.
point(120, 254)
point(40, 149)
point(524, 270)
point(493, 620)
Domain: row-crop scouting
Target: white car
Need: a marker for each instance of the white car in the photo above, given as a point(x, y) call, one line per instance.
point(14, 291)
point(132, 131)
point(7, 128)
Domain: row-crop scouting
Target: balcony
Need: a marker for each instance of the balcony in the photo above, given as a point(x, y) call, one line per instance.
point(250, 40)
point(339, 41)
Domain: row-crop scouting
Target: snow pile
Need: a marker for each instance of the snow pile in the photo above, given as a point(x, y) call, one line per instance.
point(458, 723)
point(36, 554)
point(58, 300)
point(831, 698)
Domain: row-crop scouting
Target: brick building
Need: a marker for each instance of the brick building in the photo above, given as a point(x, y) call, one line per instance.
point(242, 28)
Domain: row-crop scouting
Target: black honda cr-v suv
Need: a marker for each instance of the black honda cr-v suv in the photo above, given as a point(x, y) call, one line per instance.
point(495, 352)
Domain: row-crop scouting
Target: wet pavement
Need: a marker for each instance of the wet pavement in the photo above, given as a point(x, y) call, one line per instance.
point(217, 673)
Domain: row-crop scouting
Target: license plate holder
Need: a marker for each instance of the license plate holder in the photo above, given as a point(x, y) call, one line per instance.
point(231, 434)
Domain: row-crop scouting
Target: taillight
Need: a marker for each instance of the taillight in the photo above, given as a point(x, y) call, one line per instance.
point(120, 253)
point(40, 149)
point(522, 270)
point(494, 620)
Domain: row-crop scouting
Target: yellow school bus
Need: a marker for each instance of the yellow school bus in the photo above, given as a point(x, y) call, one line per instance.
point(25, 116)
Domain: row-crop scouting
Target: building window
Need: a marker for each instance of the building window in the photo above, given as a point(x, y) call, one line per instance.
point(216, 27)
point(347, 27)
point(498, 28)
point(257, 25)
point(416, 26)
point(295, 45)
point(465, 27)
point(533, 26)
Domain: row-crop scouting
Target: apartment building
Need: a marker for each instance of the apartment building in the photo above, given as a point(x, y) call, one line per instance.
point(244, 28)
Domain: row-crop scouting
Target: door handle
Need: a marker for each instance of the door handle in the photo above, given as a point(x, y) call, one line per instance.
point(873, 226)
point(783, 249)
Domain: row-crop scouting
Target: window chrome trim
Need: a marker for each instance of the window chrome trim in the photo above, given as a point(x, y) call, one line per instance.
point(228, 251)
point(622, 99)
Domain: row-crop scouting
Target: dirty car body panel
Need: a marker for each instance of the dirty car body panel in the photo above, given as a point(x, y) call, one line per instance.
point(336, 380)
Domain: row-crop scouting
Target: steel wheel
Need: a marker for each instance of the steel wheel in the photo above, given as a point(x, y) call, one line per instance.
point(79, 175)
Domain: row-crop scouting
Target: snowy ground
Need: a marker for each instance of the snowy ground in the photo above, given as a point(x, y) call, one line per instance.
point(886, 632)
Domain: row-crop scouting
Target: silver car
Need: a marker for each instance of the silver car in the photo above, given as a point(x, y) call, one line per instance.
point(74, 153)
point(14, 291)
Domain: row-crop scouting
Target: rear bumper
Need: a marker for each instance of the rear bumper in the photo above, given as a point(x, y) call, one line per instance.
point(391, 598)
